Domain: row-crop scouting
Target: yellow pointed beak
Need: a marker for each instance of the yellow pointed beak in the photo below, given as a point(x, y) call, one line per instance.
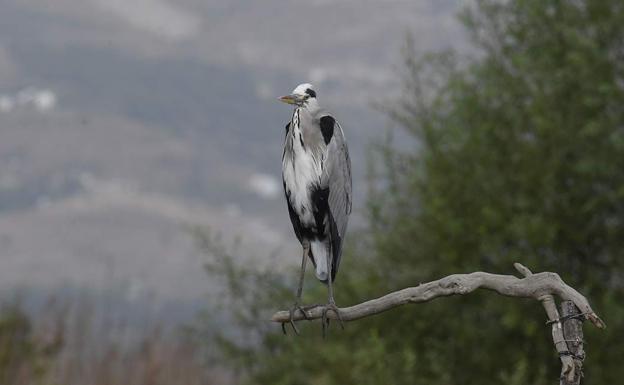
point(289, 99)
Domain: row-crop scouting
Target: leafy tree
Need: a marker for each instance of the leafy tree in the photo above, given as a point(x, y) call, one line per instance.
point(518, 155)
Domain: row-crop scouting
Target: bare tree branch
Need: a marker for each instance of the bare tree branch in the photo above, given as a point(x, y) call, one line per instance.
point(573, 334)
point(535, 286)
point(540, 286)
point(548, 301)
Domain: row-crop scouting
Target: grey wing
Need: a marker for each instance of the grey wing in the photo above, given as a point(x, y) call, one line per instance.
point(337, 177)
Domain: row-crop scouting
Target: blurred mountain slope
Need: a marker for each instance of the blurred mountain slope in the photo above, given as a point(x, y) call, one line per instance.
point(124, 121)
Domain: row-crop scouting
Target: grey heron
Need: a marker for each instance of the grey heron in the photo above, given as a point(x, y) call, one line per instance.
point(316, 171)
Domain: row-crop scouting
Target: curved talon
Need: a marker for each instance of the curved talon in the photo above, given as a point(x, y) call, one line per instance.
point(303, 311)
point(291, 321)
point(325, 320)
point(292, 324)
point(340, 320)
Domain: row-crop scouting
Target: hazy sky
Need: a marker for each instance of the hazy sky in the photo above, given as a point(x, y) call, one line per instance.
point(125, 120)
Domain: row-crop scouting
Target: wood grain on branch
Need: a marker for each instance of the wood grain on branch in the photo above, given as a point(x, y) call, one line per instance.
point(537, 286)
point(540, 286)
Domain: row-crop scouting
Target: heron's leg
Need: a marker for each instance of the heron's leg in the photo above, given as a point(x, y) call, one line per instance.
point(304, 262)
point(297, 305)
point(331, 305)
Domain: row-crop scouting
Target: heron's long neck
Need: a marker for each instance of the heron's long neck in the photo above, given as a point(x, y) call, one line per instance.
point(295, 121)
point(311, 108)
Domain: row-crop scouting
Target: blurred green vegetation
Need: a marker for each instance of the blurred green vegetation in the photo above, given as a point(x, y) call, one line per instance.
point(517, 155)
point(68, 343)
point(23, 357)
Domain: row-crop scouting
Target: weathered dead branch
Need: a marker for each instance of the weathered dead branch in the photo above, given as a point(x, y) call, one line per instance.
point(540, 286)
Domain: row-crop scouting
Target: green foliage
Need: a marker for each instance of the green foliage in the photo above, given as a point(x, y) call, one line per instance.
point(71, 343)
point(518, 155)
point(16, 346)
point(23, 357)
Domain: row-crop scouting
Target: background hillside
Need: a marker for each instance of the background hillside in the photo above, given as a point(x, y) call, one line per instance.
point(125, 121)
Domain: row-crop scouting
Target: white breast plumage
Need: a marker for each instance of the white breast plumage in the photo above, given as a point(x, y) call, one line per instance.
point(300, 172)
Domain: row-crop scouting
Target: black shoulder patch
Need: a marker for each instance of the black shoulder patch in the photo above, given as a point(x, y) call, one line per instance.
point(310, 92)
point(327, 128)
point(287, 127)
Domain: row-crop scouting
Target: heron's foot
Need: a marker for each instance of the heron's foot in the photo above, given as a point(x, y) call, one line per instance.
point(296, 307)
point(331, 306)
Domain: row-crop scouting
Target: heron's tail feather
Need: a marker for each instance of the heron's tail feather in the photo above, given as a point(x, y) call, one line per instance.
point(319, 254)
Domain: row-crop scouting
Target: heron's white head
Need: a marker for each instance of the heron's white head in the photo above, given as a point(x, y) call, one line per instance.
point(302, 94)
